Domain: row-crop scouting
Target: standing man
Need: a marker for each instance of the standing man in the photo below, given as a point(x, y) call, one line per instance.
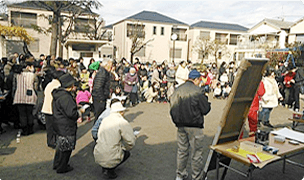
point(101, 87)
point(188, 106)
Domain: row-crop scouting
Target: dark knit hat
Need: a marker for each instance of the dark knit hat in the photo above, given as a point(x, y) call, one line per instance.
point(194, 74)
point(67, 80)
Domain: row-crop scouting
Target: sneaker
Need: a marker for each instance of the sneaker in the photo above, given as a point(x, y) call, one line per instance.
point(110, 174)
point(179, 178)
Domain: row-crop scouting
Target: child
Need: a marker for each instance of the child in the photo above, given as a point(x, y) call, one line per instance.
point(83, 101)
point(144, 86)
point(152, 92)
point(162, 94)
point(217, 91)
point(226, 90)
point(84, 77)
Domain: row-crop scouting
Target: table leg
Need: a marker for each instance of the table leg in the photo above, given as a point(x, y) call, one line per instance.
point(284, 163)
point(217, 166)
point(224, 173)
point(250, 170)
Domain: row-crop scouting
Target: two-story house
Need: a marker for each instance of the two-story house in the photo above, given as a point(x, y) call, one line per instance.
point(155, 28)
point(296, 33)
point(225, 33)
point(77, 44)
point(267, 34)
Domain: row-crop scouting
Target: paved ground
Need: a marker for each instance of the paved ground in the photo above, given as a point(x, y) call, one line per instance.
point(154, 156)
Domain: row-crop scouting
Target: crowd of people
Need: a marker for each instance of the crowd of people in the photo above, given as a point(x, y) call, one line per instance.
point(72, 91)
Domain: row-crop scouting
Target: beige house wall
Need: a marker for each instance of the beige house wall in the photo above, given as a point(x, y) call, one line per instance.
point(158, 49)
point(296, 29)
point(194, 34)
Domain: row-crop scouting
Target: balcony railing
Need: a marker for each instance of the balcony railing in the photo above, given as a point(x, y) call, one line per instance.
point(257, 44)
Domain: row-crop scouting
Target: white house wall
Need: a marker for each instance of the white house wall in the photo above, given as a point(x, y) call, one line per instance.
point(158, 49)
point(264, 28)
point(294, 30)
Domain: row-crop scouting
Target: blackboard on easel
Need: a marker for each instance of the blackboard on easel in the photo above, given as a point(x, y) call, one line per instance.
point(244, 87)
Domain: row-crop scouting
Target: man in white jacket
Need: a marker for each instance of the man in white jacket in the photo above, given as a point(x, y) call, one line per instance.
point(115, 139)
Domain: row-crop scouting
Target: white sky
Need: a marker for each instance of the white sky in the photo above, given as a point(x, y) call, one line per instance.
point(246, 13)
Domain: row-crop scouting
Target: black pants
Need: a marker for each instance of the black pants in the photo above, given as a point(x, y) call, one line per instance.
point(50, 134)
point(61, 160)
point(296, 97)
point(126, 156)
point(87, 110)
point(26, 115)
point(99, 107)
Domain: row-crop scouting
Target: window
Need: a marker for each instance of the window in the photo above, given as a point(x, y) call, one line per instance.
point(177, 53)
point(181, 34)
point(205, 34)
point(219, 55)
point(83, 47)
point(23, 19)
point(86, 54)
point(233, 39)
point(83, 25)
point(138, 29)
point(300, 38)
point(34, 46)
point(154, 30)
point(162, 31)
point(141, 52)
point(220, 37)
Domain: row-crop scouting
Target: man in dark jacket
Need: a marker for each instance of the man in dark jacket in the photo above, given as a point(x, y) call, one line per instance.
point(188, 106)
point(64, 123)
point(101, 87)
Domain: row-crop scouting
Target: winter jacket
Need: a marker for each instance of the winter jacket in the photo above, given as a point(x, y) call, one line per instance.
point(256, 100)
point(48, 98)
point(272, 93)
point(114, 133)
point(170, 75)
point(83, 96)
point(26, 86)
point(64, 112)
point(181, 75)
point(101, 85)
point(130, 81)
point(188, 105)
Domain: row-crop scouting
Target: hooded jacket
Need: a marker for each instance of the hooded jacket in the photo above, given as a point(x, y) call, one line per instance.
point(64, 112)
point(188, 105)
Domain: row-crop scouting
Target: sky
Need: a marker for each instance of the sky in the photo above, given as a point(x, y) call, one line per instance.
point(245, 13)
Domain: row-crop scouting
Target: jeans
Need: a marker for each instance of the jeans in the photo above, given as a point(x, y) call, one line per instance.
point(264, 115)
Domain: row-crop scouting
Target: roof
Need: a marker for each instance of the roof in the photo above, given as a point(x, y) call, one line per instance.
point(110, 26)
point(154, 17)
point(279, 23)
point(35, 5)
point(217, 25)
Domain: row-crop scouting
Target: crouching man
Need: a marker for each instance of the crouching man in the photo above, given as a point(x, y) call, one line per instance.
point(115, 139)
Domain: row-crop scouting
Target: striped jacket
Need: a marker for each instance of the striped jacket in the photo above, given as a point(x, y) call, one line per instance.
point(26, 81)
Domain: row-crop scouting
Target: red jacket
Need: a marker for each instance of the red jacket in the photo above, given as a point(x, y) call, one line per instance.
point(260, 92)
point(288, 78)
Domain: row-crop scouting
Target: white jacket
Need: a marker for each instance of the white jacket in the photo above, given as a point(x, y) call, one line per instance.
point(181, 75)
point(48, 98)
point(114, 134)
point(272, 93)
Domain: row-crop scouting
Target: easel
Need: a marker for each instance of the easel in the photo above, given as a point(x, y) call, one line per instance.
point(245, 85)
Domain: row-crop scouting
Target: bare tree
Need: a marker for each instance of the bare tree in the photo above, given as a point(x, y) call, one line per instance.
point(136, 32)
point(216, 47)
point(74, 7)
point(202, 47)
